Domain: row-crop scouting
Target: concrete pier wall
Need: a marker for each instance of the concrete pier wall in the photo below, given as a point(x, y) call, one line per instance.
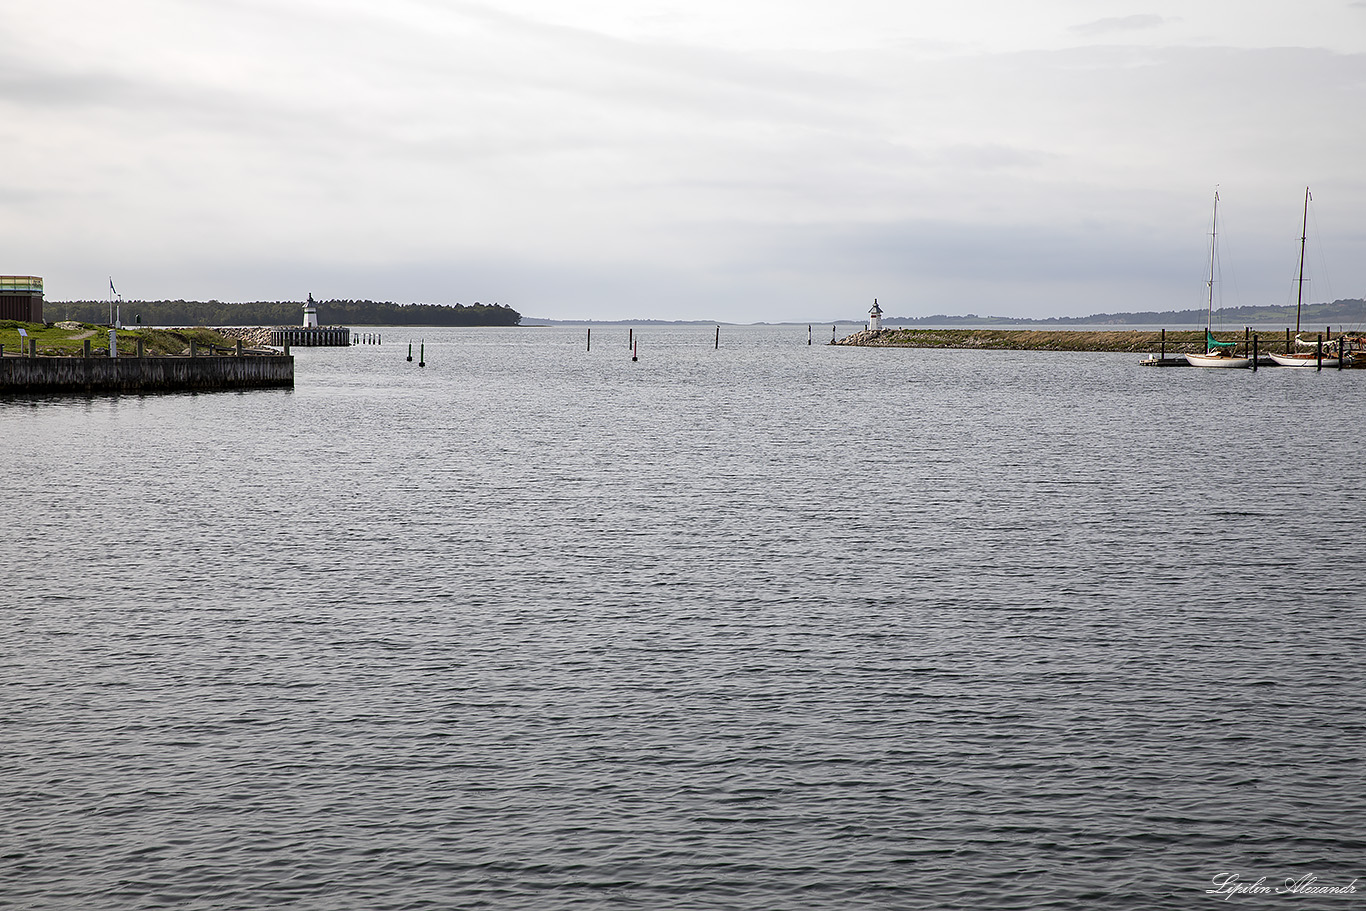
point(143, 374)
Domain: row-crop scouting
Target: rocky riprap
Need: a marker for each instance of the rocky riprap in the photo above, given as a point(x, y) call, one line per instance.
point(251, 336)
point(1131, 340)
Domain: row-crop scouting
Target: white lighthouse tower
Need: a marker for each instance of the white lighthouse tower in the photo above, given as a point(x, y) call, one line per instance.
point(310, 313)
point(875, 317)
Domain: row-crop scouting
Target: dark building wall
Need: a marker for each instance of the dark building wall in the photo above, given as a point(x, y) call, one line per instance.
point(27, 308)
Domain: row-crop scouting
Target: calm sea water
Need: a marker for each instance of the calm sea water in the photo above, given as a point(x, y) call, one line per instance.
point(768, 627)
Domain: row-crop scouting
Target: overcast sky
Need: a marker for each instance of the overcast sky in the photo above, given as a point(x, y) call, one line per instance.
point(745, 160)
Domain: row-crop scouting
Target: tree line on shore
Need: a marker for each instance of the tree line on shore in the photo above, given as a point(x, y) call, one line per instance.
point(1339, 312)
point(285, 313)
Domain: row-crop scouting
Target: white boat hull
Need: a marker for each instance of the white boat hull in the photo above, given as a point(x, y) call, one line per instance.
point(1217, 360)
point(1301, 360)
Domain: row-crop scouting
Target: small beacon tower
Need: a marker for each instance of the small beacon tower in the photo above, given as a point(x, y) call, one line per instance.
point(310, 313)
point(875, 317)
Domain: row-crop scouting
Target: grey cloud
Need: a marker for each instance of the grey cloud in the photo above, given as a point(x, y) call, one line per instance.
point(1118, 24)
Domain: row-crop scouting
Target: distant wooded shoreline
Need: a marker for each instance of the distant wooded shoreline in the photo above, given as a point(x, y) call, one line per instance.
point(1337, 313)
point(285, 313)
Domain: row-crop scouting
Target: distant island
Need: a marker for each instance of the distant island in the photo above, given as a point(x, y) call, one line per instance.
point(287, 313)
point(1338, 313)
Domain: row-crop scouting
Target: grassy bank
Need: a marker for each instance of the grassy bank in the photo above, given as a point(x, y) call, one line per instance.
point(69, 338)
point(1125, 341)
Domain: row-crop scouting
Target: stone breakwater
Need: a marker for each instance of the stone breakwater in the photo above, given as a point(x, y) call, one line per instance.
point(296, 336)
point(1131, 341)
point(250, 336)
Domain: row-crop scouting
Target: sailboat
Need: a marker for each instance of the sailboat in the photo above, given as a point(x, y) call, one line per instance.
point(1217, 353)
point(1313, 358)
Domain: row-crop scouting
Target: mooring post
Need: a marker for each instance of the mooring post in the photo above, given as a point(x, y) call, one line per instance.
point(635, 350)
point(113, 343)
point(422, 353)
point(1318, 352)
point(718, 339)
point(808, 335)
point(631, 339)
point(33, 345)
point(85, 348)
point(239, 347)
point(590, 340)
point(1163, 356)
point(194, 348)
point(410, 352)
point(1288, 349)
point(142, 353)
point(1254, 352)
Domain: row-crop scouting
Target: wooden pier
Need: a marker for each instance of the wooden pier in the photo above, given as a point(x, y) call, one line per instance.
point(311, 337)
point(35, 374)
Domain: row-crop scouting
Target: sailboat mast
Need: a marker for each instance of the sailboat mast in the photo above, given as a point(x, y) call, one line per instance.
point(1304, 235)
point(1213, 240)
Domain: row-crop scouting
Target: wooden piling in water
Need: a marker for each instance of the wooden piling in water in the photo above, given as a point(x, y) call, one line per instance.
point(1254, 352)
point(718, 339)
point(1318, 352)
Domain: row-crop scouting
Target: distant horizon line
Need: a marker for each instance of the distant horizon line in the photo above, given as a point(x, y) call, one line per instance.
point(1353, 309)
